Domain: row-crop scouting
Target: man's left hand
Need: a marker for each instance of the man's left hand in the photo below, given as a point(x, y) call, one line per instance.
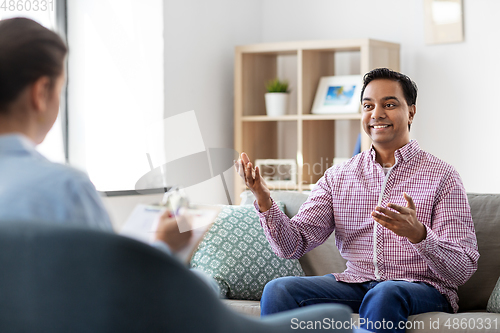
point(403, 222)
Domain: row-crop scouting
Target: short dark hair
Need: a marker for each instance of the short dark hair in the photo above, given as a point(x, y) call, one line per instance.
point(28, 51)
point(409, 87)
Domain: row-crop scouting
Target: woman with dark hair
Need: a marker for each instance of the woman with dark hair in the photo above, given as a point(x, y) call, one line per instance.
point(31, 79)
point(31, 187)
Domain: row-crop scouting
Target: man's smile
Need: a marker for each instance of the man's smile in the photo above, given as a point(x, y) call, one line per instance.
point(380, 126)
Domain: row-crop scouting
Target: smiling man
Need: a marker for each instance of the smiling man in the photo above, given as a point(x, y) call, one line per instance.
point(400, 216)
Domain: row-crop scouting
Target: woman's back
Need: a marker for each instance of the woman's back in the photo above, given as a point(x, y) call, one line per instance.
point(33, 188)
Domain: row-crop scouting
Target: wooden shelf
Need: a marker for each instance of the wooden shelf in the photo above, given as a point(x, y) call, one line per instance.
point(268, 118)
point(325, 45)
point(313, 140)
point(338, 116)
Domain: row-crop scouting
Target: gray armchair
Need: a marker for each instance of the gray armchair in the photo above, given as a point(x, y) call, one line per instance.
point(66, 279)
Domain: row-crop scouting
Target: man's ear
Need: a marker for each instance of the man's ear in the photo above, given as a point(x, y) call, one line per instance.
point(411, 110)
point(40, 93)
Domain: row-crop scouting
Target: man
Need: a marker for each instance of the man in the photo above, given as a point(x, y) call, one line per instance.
point(400, 215)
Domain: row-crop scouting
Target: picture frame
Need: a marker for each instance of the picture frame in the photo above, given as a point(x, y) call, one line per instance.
point(278, 172)
point(443, 21)
point(338, 94)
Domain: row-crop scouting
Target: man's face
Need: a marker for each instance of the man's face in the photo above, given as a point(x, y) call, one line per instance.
point(386, 114)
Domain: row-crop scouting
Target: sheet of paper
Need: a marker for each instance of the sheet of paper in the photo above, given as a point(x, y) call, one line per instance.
point(143, 220)
point(141, 224)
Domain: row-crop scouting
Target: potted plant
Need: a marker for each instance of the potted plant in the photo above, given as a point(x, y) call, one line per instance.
point(276, 97)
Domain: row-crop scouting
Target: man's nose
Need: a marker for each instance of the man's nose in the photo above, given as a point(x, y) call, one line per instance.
point(378, 112)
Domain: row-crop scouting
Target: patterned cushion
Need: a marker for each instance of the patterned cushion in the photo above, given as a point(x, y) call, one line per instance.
point(494, 301)
point(236, 254)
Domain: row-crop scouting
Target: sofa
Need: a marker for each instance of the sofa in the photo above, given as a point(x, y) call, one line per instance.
point(474, 295)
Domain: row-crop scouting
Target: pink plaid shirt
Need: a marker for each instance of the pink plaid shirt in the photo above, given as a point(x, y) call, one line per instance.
point(343, 200)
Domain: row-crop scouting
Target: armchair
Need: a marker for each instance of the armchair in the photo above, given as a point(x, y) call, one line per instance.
point(67, 279)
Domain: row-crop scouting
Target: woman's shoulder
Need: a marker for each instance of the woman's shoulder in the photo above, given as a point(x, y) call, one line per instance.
point(64, 173)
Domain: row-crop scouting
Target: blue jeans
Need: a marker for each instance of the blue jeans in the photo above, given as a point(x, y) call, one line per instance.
point(377, 303)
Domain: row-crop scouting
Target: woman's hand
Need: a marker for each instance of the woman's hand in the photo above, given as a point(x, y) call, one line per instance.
point(254, 182)
point(168, 231)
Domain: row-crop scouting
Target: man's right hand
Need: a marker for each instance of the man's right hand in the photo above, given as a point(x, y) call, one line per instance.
point(254, 182)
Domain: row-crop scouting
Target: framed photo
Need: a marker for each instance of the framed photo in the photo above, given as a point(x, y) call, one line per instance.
point(338, 94)
point(443, 21)
point(278, 172)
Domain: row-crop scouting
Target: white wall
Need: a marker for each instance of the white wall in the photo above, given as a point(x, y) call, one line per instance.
point(200, 37)
point(456, 115)
point(456, 118)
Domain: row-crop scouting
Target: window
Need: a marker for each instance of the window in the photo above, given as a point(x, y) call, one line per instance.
point(116, 88)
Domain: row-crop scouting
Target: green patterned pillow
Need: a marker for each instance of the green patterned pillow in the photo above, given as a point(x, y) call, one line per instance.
point(494, 301)
point(235, 252)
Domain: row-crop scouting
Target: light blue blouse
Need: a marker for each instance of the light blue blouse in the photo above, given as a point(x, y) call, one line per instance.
point(34, 189)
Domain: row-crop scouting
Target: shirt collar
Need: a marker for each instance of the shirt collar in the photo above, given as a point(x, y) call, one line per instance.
point(17, 143)
point(403, 154)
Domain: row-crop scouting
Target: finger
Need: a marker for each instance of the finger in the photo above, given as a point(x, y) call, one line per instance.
point(388, 212)
point(239, 168)
point(384, 224)
point(382, 218)
point(244, 158)
point(411, 204)
point(248, 173)
point(242, 171)
point(166, 215)
point(253, 170)
point(401, 209)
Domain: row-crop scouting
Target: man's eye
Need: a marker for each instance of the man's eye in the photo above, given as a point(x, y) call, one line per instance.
point(390, 105)
point(366, 106)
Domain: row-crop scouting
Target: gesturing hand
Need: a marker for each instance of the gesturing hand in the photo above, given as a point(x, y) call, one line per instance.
point(404, 222)
point(254, 182)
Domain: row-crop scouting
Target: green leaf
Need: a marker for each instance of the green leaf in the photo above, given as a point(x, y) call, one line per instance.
point(277, 86)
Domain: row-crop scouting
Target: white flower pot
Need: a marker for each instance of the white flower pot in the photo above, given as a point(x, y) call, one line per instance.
point(276, 104)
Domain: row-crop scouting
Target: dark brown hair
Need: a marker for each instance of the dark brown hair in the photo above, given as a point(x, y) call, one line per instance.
point(28, 51)
point(409, 87)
